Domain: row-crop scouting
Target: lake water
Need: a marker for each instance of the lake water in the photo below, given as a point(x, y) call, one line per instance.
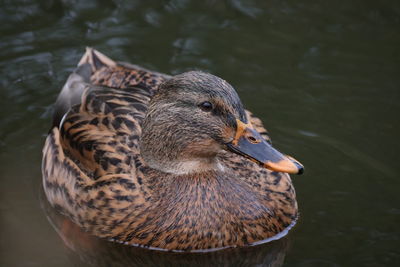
point(324, 76)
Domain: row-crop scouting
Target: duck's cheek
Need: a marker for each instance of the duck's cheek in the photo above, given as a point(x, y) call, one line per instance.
point(202, 148)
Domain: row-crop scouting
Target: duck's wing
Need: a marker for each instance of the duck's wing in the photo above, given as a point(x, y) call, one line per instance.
point(94, 148)
point(103, 132)
point(99, 127)
point(110, 73)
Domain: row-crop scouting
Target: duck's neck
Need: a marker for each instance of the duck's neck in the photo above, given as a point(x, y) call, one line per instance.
point(188, 166)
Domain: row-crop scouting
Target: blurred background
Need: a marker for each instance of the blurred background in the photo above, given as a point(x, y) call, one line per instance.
point(324, 76)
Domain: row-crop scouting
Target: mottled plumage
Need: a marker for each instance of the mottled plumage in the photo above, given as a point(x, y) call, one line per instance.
point(135, 160)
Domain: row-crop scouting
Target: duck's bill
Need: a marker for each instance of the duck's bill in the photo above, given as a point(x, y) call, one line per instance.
point(249, 143)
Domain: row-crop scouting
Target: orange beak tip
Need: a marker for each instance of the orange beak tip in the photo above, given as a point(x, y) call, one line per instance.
point(286, 165)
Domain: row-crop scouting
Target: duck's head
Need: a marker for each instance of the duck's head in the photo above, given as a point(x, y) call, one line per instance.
point(196, 115)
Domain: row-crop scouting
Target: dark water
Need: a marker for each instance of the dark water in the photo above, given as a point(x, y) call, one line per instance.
point(324, 76)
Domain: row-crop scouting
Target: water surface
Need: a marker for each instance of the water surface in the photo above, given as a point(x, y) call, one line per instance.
point(324, 76)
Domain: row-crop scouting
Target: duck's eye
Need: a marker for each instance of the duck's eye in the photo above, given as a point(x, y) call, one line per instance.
point(206, 106)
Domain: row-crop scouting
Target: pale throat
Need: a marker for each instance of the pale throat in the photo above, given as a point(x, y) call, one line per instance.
point(196, 165)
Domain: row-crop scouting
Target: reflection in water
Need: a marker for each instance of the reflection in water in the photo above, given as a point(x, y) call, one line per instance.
point(89, 250)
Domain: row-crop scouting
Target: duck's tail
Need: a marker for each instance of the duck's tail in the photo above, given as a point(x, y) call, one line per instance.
point(96, 59)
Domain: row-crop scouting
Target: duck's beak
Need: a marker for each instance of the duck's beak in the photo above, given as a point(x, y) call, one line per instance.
point(249, 143)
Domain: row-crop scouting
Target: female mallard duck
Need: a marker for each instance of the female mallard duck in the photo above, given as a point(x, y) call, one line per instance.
point(165, 162)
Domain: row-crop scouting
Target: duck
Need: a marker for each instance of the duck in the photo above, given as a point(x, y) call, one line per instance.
point(164, 162)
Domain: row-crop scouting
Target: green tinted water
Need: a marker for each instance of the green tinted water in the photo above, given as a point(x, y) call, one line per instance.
point(324, 76)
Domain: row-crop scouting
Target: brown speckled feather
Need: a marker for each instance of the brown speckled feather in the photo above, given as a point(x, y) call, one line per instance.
point(94, 173)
